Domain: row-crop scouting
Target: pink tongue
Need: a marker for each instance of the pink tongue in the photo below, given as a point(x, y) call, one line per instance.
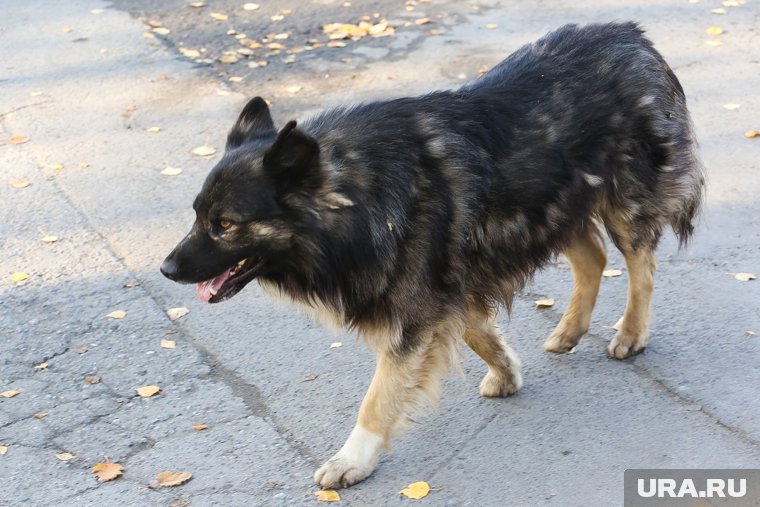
point(203, 289)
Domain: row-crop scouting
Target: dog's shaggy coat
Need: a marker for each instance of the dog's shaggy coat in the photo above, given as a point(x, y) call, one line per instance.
point(411, 220)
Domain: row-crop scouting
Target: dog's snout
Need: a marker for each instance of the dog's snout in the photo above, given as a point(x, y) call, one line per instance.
point(169, 268)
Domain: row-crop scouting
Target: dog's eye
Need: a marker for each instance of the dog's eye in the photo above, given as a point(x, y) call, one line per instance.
point(225, 224)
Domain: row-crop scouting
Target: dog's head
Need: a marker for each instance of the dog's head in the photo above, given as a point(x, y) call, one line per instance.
point(247, 212)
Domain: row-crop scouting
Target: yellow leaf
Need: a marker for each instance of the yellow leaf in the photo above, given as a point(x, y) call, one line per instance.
point(250, 7)
point(422, 21)
point(35, 94)
point(117, 314)
point(491, 26)
point(714, 30)
point(229, 59)
point(40, 415)
point(168, 344)
point(83, 165)
point(65, 456)
point(198, 4)
point(731, 107)
point(18, 140)
point(751, 133)
point(745, 277)
point(714, 42)
point(177, 313)
point(107, 471)
point(57, 167)
point(327, 495)
point(148, 391)
point(169, 479)
point(611, 272)
point(3, 450)
point(97, 11)
point(154, 130)
point(235, 79)
point(49, 238)
point(41, 366)
point(200, 427)
point(293, 89)
point(219, 16)
point(416, 490)
point(190, 53)
point(719, 10)
point(20, 183)
point(204, 151)
point(545, 303)
point(10, 394)
point(730, 3)
point(335, 345)
point(19, 276)
point(277, 17)
point(435, 31)
point(171, 171)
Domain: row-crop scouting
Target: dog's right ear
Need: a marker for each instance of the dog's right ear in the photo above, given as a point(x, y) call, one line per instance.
point(254, 122)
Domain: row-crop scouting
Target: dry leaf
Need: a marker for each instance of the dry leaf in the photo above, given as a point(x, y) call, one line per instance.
point(309, 378)
point(228, 59)
point(714, 42)
point(293, 89)
point(491, 26)
point(169, 479)
point(235, 79)
point(745, 277)
point(97, 11)
point(714, 30)
point(731, 107)
point(730, 3)
point(277, 17)
point(148, 391)
point(18, 140)
point(80, 350)
point(750, 334)
point(335, 345)
point(83, 165)
point(177, 313)
point(751, 133)
point(204, 151)
point(327, 495)
point(107, 471)
point(435, 31)
point(161, 30)
point(416, 490)
point(49, 238)
point(171, 171)
point(219, 16)
point(250, 7)
point(66, 29)
point(168, 344)
point(40, 415)
point(20, 183)
point(719, 10)
point(611, 272)
point(544, 303)
point(41, 366)
point(190, 53)
point(10, 394)
point(281, 36)
point(200, 427)
point(57, 167)
point(154, 130)
point(422, 21)
point(117, 314)
point(3, 450)
point(65, 456)
point(92, 379)
point(198, 4)
point(19, 276)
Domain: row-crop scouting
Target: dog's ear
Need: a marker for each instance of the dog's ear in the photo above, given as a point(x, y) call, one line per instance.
point(293, 159)
point(254, 122)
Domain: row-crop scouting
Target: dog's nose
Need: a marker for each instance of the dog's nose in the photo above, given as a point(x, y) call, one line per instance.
point(169, 268)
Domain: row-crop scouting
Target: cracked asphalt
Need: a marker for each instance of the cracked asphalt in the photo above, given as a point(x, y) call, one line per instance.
point(84, 88)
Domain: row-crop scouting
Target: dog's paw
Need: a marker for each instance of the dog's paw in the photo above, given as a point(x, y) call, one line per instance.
point(340, 472)
point(494, 385)
point(560, 343)
point(627, 344)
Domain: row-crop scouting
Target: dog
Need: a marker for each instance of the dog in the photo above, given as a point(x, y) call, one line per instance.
point(411, 221)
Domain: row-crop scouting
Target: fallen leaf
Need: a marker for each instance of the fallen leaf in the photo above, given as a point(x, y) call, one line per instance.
point(422, 21)
point(281, 36)
point(416, 490)
point(250, 7)
point(154, 130)
point(41, 366)
point(335, 345)
point(3, 450)
point(611, 272)
point(35, 94)
point(750, 334)
point(20, 183)
point(66, 29)
point(65, 456)
point(177, 313)
point(200, 427)
point(18, 140)
point(204, 151)
point(117, 314)
point(745, 277)
point(40, 415)
point(491, 26)
point(228, 59)
point(751, 133)
point(277, 17)
point(168, 479)
point(179, 502)
point(730, 3)
point(719, 10)
point(168, 344)
point(219, 16)
point(81, 350)
point(293, 89)
point(198, 4)
point(171, 171)
point(92, 379)
point(327, 495)
point(83, 165)
point(97, 11)
point(435, 31)
point(190, 53)
point(107, 471)
point(714, 42)
point(544, 303)
point(309, 378)
point(148, 391)
point(128, 111)
point(731, 107)
point(49, 238)
point(714, 30)
point(235, 79)
point(161, 30)
point(19, 276)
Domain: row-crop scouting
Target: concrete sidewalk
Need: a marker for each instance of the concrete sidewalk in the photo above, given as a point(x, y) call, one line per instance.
point(85, 98)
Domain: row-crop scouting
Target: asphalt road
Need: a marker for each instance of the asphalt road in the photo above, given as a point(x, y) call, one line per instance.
point(85, 87)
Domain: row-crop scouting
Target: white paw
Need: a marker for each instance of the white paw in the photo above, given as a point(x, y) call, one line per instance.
point(353, 463)
point(626, 345)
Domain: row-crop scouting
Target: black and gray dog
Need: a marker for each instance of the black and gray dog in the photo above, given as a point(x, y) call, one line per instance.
point(410, 221)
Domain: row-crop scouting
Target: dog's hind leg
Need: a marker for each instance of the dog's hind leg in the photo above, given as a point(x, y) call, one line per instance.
point(587, 257)
point(404, 381)
point(503, 377)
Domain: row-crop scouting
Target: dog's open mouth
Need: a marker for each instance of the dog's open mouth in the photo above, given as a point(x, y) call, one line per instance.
point(230, 282)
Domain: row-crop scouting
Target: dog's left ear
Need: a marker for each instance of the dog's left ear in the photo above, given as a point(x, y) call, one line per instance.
point(293, 159)
point(255, 121)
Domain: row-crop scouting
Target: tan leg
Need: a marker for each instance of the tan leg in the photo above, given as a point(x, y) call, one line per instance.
point(587, 258)
point(633, 328)
point(403, 383)
point(503, 377)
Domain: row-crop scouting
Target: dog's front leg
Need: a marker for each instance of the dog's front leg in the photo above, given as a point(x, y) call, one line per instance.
point(402, 380)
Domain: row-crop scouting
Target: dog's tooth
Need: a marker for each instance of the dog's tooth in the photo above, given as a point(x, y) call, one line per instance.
point(240, 264)
point(213, 291)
